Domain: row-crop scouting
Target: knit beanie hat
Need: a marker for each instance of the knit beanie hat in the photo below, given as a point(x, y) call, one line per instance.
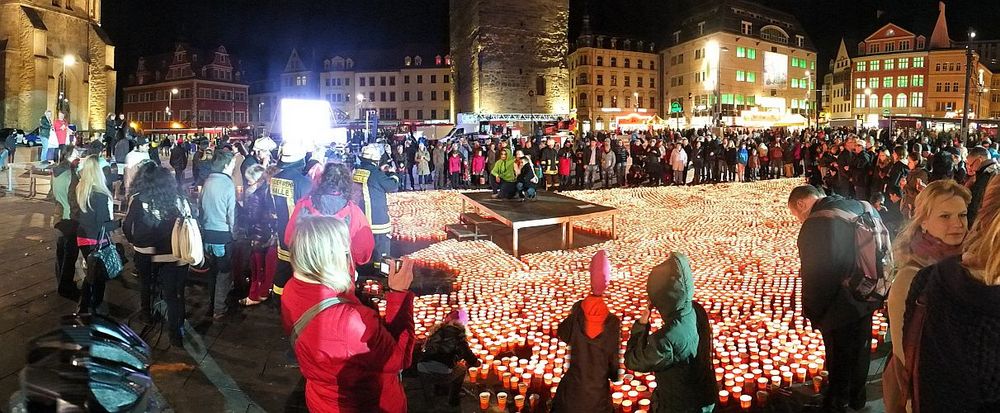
point(600, 272)
point(459, 315)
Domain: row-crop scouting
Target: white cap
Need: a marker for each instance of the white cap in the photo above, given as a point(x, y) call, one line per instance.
point(292, 152)
point(264, 144)
point(371, 152)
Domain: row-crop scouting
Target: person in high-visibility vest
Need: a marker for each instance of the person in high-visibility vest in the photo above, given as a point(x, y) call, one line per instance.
point(375, 182)
point(288, 186)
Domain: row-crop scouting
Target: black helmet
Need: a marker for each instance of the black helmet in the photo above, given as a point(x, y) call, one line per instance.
point(91, 363)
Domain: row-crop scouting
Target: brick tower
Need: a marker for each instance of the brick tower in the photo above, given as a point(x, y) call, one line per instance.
point(504, 50)
point(36, 36)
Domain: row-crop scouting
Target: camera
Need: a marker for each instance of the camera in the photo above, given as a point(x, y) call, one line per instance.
point(384, 265)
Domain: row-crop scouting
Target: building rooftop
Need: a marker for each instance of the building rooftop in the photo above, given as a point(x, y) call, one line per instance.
point(187, 62)
point(767, 24)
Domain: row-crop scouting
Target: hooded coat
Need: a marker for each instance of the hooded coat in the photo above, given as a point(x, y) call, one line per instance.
point(586, 385)
point(680, 352)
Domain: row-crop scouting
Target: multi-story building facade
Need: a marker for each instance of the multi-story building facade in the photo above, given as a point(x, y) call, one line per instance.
point(188, 88)
point(611, 78)
point(895, 72)
point(398, 85)
point(265, 96)
point(510, 56)
point(751, 64)
point(889, 74)
point(837, 90)
point(55, 57)
point(416, 88)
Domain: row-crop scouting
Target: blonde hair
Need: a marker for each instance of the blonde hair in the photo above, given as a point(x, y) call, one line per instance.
point(321, 252)
point(979, 252)
point(934, 194)
point(91, 180)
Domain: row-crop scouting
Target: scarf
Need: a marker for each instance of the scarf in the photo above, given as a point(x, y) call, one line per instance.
point(932, 249)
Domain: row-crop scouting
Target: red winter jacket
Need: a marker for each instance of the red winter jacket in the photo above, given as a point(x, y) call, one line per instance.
point(362, 240)
point(351, 358)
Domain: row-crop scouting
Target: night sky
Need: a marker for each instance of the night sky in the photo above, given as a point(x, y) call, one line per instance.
point(262, 33)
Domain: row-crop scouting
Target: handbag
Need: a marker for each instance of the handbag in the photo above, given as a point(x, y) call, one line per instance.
point(185, 240)
point(107, 255)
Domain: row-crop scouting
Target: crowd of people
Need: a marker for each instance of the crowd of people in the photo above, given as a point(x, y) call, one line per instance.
point(307, 225)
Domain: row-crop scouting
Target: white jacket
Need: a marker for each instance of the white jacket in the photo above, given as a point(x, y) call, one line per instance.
point(679, 159)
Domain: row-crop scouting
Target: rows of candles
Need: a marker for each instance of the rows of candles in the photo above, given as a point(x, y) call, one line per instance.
point(741, 242)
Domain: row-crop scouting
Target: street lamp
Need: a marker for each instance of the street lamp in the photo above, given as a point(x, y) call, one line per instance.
point(260, 106)
point(170, 103)
point(63, 100)
point(868, 104)
point(968, 74)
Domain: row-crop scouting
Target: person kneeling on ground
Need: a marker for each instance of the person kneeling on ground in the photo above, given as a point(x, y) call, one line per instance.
point(593, 335)
point(447, 345)
point(527, 179)
point(504, 172)
point(680, 352)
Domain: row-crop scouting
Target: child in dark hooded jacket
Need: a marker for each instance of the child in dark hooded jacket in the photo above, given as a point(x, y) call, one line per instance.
point(680, 352)
point(593, 335)
point(447, 345)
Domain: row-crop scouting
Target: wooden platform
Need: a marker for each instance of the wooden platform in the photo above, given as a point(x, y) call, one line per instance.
point(548, 208)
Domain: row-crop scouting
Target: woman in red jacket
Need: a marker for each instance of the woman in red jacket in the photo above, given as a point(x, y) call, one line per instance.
point(332, 197)
point(350, 357)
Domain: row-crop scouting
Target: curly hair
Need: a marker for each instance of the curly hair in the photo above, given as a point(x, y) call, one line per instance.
point(156, 186)
point(336, 179)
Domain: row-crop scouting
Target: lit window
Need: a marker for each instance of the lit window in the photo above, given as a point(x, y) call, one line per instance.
point(918, 62)
point(887, 81)
point(886, 100)
point(889, 64)
point(873, 65)
point(904, 63)
point(902, 81)
point(901, 100)
point(860, 67)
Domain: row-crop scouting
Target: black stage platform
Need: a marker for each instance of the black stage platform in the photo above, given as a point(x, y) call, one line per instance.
point(548, 208)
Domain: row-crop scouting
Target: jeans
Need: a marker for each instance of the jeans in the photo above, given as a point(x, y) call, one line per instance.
point(620, 173)
point(172, 278)
point(593, 173)
point(438, 174)
point(44, 154)
point(456, 180)
point(679, 177)
point(526, 191)
point(609, 177)
point(223, 275)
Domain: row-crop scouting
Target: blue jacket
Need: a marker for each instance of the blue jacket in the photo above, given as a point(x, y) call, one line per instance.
point(374, 185)
point(742, 156)
point(218, 208)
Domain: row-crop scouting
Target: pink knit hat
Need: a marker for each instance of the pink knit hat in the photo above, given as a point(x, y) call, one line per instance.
point(459, 315)
point(600, 272)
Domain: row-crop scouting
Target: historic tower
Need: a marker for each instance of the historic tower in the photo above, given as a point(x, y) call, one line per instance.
point(510, 56)
point(53, 48)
